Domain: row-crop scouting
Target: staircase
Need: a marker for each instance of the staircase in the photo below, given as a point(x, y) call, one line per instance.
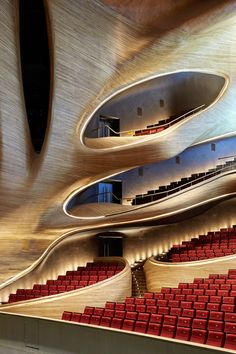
point(138, 279)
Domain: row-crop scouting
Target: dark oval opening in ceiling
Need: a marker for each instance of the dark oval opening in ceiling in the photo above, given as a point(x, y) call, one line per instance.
point(35, 67)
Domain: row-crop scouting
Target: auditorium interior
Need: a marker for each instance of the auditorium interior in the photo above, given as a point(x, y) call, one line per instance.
point(118, 187)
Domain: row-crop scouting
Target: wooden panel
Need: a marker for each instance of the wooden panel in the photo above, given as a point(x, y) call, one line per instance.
point(112, 289)
point(159, 274)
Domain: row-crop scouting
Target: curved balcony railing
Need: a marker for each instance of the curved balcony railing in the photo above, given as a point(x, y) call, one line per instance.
point(159, 126)
point(151, 197)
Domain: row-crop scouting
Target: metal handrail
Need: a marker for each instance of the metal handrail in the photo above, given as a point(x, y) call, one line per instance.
point(98, 194)
point(157, 126)
point(190, 183)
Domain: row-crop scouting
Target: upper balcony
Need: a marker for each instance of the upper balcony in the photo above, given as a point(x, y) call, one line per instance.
point(151, 108)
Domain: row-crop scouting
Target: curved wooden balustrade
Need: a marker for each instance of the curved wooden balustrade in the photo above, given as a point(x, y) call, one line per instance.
point(115, 288)
point(161, 274)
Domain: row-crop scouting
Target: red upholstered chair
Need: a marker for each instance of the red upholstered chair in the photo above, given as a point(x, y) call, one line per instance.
point(108, 313)
point(156, 318)
point(98, 311)
point(199, 323)
point(116, 322)
point(141, 308)
point(140, 326)
point(129, 300)
point(184, 322)
point(130, 307)
point(140, 301)
point(76, 316)
point(120, 306)
point(110, 305)
point(202, 314)
point(168, 331)
point(170, 320)
point(128, 325)
point(230, 327)
point(89, 310)
point(119, 314)
point(198, 336)
point(164, 310)
point(230, 341)
point(215, 325)
point(216, 315)
point(148, 295)
point(66, 316)
point(142, 316)
point(105, 321)
point(215, 338)
point(188, 313)
point(131, 315)
point(95, 320)
point(230, 317)
point(152, 302)
point(213, 306)
point(85, 318)
point(228, 308)
point(183, 333)
point(176, 311)
point(154, 328)
point(151, 309)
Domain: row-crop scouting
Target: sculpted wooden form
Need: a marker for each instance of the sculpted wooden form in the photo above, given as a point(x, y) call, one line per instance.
point(95, 52)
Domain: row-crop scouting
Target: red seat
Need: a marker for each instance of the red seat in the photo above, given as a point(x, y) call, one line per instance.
point(119, 314)
point(140, 301)
point(170, 320)
point(188, 313)
point(202, 314)
point(128, 325)
point(131, 315)
point(108, 313)
point(215, 325)
point(230, 317)
point(142, 316)
point(95, 320)
point(141, 308)
point(199, 323)
point(215, 338)
point(183, 333)
point(105, 321)
point(151, 309)
point(140, 326)
point(198, 336)
point(76, 316)
point(116, 322)
point(230, 341)
point(110, 305)
point(152, 302)
point(98, 311)
point(230, 327)
point(176, 311)
point(168, 331)
point(163, 310)
point(156, 318)
point(89, 310)
point(184, 322)
point(148, 295)
point(66, 316)
point(130, 307)
point(154, 328)
point(129, 300)
point(216, 315)
point(85, 318)
point(228, 308)
point(120, 306)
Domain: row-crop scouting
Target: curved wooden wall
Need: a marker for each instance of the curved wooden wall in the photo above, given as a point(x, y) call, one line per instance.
point(96, 52)
point(115, 288)
point(159, 274)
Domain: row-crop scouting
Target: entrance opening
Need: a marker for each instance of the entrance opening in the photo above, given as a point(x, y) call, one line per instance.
point(110, 246)
point(109, 126)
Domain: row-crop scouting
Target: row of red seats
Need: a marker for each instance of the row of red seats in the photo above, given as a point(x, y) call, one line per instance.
point(149, 131)
point(214, 244)
point(186, 312)
point(73, 280)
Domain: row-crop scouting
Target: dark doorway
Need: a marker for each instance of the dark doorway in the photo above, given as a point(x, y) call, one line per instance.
point(109, 126)
point(109, 246)
point(110, 192)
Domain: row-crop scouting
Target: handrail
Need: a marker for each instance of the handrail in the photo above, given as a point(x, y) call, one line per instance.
point(167, 192)
point(157, 126)
point(190, 183)
point(97, 195)
point(226, 157)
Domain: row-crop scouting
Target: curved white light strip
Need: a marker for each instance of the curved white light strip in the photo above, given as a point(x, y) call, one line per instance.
point(164, 132)
point(138, 207)
point(193, 263)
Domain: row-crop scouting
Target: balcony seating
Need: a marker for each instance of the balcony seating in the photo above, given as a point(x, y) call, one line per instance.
point(214, 244)
point(185, 182)
point(72, 280)
point(203, 311)
point(165, 123)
